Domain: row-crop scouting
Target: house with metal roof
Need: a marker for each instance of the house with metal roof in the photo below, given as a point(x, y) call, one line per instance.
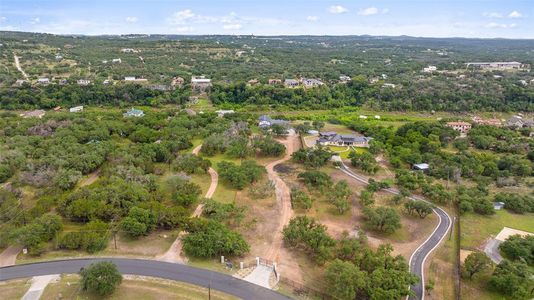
point(134, 113)
point(331, 138)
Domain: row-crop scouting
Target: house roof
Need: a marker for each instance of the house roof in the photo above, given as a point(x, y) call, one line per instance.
point(422, 166)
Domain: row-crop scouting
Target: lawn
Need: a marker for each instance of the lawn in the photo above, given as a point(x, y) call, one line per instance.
point(13, 289)
point(133, 288)
point(475, 229)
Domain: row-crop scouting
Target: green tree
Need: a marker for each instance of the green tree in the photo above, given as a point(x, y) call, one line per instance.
point(102, 278)
point(382, 218)
point(344, 280)
point(474, 263)
point(340, 195)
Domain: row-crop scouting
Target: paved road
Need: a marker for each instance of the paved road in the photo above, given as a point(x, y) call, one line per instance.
point(201, 277)
point(418, 258)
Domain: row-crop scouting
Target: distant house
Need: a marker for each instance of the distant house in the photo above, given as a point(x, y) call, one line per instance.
point(76, 109)
point(83, 82)
point(313, 132)
point(331, 138)
point(57, 108)
point(377, 117)
point(430, 69)
point(344, 79)
point(362, 117)
point(266, 122)
point(389, 85)
point(128, 50)
point(490, 122)
point(291, 83)
point(63, 81)
point(134, 113)
point(106, 82)
point(496, 65)
point(160, 87)
point(253, 82)
point(274, 81)
point(59, 57)
point(20, 82)
point(116, 60)
point(421, 167)
point(222, 112)
point(311, 82)
point(374, 80)
point(519, 122)
point(39, 113)
point(43, 81)
point(200, 83)
point(133, 79)
point(498, 205)
point(462, 127)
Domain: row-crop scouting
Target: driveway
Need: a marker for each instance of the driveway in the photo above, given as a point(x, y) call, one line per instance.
point(201, 277)
point(418, 258)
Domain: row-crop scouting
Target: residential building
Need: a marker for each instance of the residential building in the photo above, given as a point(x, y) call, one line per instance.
point(344, 78)
point(266, 122)
point(59, 57)
point(128, 50)
point(373, 80)
point(498, 205)
point(389, 85)
point(421, 167)
point(160, 87)
point(39, 113)
point(291, 83)
point(134, 113)
point(133, 79)
point(223, 112)
point(512, 65)
point(519, 122)
point(106, 82)
point(200, 83)
point(43, 81)
point(57, 108)
point(462, 127)
point(275, 81)
point(76, 109)
point(311, 82)
point(83, 82)
point(253, 82)
point(430, 69)
point(20, 82)
point(490, 122)
point(116, 60)
point(331, 138)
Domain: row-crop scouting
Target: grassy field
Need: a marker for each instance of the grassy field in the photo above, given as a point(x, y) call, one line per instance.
point(133, 288)
point(476, 228)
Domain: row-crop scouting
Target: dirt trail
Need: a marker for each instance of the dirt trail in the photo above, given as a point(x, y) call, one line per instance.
point(283, 197)
point(9, 256)
point(17, 64)
point(174, 254)
point(90, 179)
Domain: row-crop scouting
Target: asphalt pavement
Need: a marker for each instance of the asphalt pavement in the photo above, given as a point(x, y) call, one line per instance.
point(201, 277)
point(418, 258)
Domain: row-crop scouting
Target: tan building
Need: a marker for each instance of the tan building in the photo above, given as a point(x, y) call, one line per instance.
point(462, 127)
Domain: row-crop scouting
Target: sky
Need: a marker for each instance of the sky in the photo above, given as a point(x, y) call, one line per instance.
point(427, 18)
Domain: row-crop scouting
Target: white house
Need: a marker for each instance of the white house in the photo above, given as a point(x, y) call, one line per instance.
point(43, 81)
point(430, 69)
point(200, 83)
point(291, 83)
point(76, 109)
point(134, 113)
point(311, 82)
point(83, 82)
point(344, 78)
point(223, 112)
point(331, 138)
point(116, 60)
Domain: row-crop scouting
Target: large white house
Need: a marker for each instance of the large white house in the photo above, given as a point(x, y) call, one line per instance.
point(76, 109)
point(200, 83)
point(331, 138)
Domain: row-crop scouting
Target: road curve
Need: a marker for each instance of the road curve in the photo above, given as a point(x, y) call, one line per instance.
point(201, 277)
point(418, 258)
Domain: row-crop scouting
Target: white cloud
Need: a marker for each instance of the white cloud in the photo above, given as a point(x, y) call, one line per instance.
point(236, 26)
point(312, 18)
point(183, 29)
point(337, 9)
point(515, 14)
point(180, 17)
point(501, 25)
point(35, 21)
point(368, 11)
point(131, 19)
point(492, 15)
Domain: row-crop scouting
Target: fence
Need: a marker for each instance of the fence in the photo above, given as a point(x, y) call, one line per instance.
point(300, 289)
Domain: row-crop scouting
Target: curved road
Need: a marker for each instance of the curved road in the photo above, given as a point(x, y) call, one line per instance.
point(418, 258)
point(201, 277)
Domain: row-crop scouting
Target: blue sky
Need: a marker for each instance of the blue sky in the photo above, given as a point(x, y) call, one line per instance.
point(430, 18)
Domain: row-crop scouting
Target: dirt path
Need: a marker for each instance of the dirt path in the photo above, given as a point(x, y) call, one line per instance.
point(9, 256)
point(17, 64)
point(90, 179)
point(174, 254)
point(283, 197)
